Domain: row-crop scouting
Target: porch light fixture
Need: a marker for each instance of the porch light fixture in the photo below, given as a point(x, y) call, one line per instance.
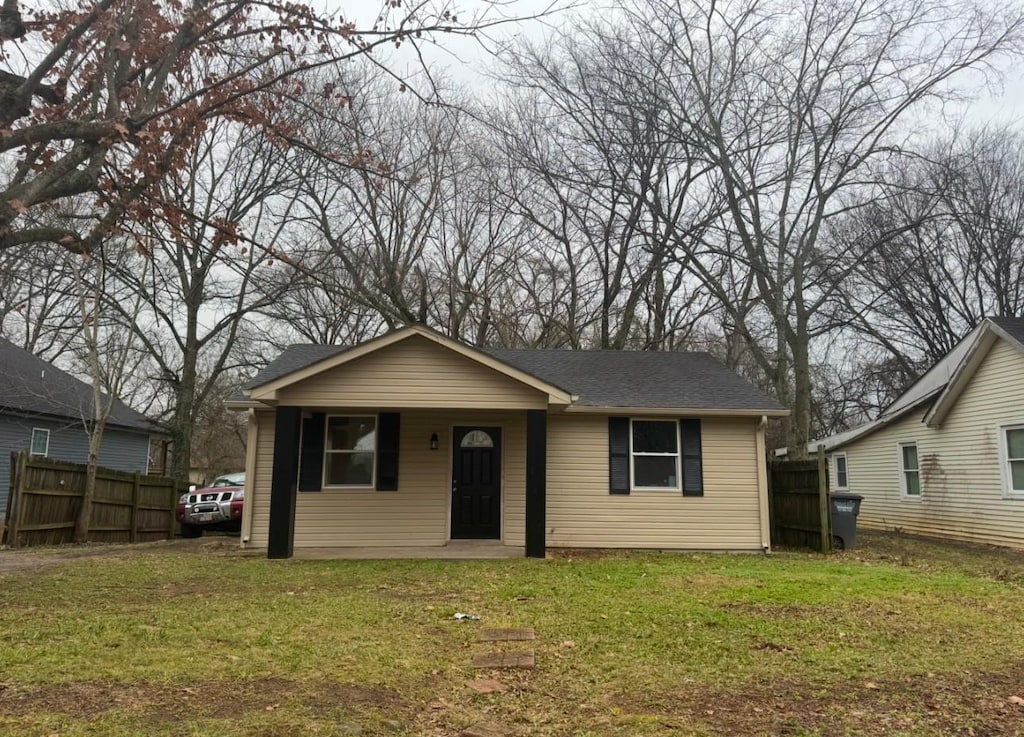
point(433, 441)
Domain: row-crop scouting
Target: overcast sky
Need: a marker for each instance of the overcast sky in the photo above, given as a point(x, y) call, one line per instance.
point(464, 57)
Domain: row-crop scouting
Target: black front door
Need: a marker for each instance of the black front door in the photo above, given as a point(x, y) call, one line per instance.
point(476, 483)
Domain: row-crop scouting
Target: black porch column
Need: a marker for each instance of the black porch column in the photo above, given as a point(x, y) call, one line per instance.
point(536, 481)
point(283, 482)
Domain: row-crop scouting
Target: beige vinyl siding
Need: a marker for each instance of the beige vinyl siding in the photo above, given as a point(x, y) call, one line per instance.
point(581, 512)
point(257, 482)
point(418, 513)
point(413, 373)
point(962, 486)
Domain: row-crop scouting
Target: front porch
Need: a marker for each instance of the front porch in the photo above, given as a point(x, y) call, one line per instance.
point(445, 494)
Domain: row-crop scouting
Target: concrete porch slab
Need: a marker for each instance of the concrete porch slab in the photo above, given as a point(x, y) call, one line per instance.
point(454, 550)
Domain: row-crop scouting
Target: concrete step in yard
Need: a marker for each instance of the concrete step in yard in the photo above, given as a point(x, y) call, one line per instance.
point(505, 660)
point(524, 659)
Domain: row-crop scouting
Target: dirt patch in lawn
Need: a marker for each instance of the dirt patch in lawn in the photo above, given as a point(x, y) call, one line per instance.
point(412, 594)
point(976, 704)
point(999, 563)
point(32, 560)
point(211, 699)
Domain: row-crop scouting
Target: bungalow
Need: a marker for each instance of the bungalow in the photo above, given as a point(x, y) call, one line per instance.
point(946, 459)
point(415, 439)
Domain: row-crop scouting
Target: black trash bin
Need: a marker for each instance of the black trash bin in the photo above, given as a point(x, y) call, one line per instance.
point(845, 508)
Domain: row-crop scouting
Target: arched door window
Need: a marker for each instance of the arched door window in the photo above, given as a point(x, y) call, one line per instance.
point(477, 439)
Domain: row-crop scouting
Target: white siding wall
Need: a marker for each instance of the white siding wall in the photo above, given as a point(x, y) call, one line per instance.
point(962, 487)
point(581, 512)
point(418, 513)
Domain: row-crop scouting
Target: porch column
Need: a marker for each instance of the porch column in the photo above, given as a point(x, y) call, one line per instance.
point(283, 482)
point(536, 481)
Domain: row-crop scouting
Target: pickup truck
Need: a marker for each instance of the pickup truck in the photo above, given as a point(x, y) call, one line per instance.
point(214, 507)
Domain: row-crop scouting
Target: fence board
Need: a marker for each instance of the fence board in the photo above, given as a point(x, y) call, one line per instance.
point(46, 495)
point(798, 502)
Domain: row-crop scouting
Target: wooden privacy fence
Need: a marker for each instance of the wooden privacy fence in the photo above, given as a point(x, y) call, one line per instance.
point(798, 502)
point(46, 496)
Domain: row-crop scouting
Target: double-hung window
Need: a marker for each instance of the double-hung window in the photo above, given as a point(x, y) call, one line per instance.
point(350, 451)
point(910, 471)
point(1013, 458)
point(40, 442)
point(842, 481)
point(654, 454)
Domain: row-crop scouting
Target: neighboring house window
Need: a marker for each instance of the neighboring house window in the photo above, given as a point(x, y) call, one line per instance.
point(1013, 452)
point(842, 474)
point(350, 451)
point(654, 453)
point(40, 442)
point(910, 472)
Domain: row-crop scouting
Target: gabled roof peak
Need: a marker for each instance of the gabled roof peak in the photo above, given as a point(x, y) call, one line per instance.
point(626, 381)
point(942, 384)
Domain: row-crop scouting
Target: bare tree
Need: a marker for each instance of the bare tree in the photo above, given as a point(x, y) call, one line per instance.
point(798, 108)
point(109, 353)
point(202, 264)
point(594, 169)
point(105, 99)
point(38, 304)
point(941, 251)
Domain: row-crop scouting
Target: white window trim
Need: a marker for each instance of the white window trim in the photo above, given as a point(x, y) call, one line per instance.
point(678, 456)
point(376, 443)
point(1004, 460)
point(903, 471)
point(835, 466)
point(32, 439)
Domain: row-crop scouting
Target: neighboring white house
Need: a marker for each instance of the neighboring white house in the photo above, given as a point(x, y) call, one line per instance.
point(947, 458)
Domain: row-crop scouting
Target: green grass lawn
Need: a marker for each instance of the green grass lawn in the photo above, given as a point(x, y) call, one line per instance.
point(906, 638)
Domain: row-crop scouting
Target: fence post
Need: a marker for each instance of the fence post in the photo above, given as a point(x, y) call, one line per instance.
point(133, 533)
point(19, 464)
point(773, 530)
point(171, 511)
point(826, 531)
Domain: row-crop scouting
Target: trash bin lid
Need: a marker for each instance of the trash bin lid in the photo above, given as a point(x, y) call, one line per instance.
point(846, 495)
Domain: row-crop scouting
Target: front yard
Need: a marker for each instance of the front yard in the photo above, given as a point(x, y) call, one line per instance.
point(906, 638)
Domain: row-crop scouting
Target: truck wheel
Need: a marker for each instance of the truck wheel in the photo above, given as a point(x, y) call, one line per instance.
point(191, 531)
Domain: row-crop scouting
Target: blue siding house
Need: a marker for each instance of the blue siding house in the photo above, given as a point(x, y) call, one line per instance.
point(43, 410)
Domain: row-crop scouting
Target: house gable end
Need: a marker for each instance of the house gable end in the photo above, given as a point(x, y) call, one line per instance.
point(964, 374)
point(466, 362)
point(414, 372)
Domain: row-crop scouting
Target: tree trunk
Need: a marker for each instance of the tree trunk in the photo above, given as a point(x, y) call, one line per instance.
point(184, 418)
point(799, 430)
point(181, 453)
point(82, 522)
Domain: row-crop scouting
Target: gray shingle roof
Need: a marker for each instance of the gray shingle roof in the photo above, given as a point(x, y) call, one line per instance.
point(30, 385)
point(293, 358)
point(642, 379)
point(1014, 326)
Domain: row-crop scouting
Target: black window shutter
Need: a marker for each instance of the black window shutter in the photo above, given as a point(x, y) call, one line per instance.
point(311, 454)
point(618, 455)
point(693, 463)
point(388, 431)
